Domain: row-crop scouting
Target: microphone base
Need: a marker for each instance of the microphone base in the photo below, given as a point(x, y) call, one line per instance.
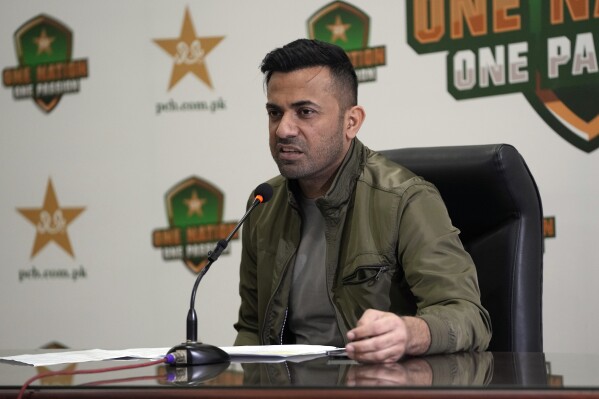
point(193, 375)
point(197, 353)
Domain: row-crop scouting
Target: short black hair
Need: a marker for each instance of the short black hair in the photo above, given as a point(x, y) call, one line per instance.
point(306, 53)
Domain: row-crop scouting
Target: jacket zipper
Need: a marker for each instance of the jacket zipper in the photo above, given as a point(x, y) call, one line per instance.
point(383, 269)
point(283, 326)
point(370, 280)
point(268, 307)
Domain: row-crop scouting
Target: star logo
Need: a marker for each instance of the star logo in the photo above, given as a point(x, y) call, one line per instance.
point(189, 52)
point(44, 43)
point(51, 222)
point(195, 204)
point(64, 377)
point(338, 30)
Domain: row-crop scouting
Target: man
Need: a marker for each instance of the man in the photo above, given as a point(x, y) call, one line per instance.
point(352, 250)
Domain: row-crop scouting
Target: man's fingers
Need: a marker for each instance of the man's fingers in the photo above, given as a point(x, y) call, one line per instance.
point(373, 324)
point(381, 349)
point(381, 337)
point(370, 315)
point(385, 355)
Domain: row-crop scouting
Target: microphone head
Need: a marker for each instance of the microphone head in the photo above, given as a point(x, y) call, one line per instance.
point(263, 192)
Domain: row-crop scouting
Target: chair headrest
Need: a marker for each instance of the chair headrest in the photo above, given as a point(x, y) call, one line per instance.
point(482, 185)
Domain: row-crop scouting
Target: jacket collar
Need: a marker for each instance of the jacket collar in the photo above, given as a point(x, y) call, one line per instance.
point(343, 185)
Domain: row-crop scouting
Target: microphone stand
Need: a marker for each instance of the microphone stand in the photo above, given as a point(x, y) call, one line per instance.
point(193, 352)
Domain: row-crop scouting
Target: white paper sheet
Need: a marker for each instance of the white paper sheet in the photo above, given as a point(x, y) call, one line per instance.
point(245, 352)
point(51, 358)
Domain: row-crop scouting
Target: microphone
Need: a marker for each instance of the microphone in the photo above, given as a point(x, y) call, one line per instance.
point(191, 352)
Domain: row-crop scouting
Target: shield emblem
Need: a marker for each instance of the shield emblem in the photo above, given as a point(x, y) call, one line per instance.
point(342, 24)
point(193, 202)
point(43, 40)
point(571, 112)
point(570, 107)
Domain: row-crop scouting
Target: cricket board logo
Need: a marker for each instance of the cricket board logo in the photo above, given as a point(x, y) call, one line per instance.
point(545, 50)
point(348, 27)
point(194, 210)
point(46, 69)
point(189, 52)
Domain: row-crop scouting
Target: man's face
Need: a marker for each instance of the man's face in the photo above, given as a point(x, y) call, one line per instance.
point(307, 138)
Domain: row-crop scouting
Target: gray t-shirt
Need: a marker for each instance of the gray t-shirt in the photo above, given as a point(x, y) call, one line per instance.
point(312, 317)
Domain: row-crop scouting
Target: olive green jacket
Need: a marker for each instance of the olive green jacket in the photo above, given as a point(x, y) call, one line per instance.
point(390, 246)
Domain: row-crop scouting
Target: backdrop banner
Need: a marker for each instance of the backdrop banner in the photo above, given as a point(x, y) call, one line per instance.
point(133, 132)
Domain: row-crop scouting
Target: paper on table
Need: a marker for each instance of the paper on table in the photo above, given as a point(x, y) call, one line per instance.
point(277, 350)
point(276, 353)
point(51, 358)
point(280, 351)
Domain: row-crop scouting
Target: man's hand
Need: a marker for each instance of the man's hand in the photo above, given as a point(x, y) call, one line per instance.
point(384, 337)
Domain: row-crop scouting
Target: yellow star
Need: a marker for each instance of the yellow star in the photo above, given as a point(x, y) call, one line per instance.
point(51, 222)
point(44, 43)
point(195, 204)
point(189, 52)
point(338, 30)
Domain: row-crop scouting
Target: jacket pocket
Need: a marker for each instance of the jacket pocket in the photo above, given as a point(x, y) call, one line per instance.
point(367, 274)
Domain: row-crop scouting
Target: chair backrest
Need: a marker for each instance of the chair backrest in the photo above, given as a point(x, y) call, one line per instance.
point(493, 199)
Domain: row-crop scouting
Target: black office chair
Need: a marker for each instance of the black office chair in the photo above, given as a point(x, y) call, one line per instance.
point(493, 199)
